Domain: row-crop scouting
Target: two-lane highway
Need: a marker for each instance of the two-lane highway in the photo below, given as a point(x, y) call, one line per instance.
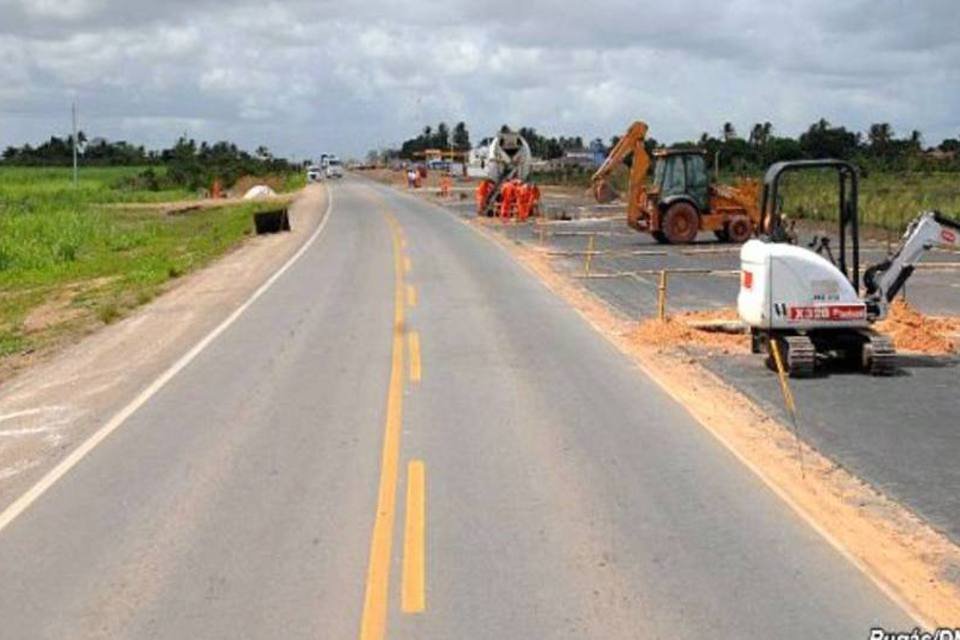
point(408, 436)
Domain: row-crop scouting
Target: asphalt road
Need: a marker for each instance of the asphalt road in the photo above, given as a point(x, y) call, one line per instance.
point(899, 434)
point(266, 490)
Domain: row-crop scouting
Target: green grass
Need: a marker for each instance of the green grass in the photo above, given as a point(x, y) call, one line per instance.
point(887, 200)
point(95, 184)
point(80, 258)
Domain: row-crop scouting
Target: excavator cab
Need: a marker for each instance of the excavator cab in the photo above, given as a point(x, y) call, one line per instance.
point(848, 187)
point(682, 174)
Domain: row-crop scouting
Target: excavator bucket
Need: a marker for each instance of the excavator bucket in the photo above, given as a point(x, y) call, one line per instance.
point(603, 192)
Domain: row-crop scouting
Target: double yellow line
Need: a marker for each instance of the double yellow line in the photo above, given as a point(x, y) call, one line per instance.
point(413, 597)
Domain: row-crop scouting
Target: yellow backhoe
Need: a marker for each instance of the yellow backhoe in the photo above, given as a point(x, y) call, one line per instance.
point(682, 200)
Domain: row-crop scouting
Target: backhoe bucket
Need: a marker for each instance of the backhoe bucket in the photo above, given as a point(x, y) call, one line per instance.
point(603, 192)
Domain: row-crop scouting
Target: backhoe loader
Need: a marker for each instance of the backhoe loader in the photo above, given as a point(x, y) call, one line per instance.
point(682, 201)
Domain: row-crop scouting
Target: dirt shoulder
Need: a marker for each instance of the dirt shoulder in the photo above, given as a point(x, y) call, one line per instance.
point(49, 408)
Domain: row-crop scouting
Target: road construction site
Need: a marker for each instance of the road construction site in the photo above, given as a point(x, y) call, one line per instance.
point(895, 433)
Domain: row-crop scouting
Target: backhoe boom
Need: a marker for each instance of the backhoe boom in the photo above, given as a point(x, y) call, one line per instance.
point(631, 143)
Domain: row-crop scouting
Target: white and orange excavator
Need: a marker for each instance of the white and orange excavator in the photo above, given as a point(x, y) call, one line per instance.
point(809, 302)
point(683, 199)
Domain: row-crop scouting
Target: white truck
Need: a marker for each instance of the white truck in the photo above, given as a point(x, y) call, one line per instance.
point(334, 168)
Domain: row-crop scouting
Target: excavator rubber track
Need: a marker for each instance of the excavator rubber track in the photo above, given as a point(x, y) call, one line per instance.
point(879, 356)
point(801, 356)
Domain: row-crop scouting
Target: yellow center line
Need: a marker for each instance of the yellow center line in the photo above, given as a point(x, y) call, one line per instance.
point(413, 593)
point(407, 265)
point(411, 296)
point(373, 622)
point(413, 339)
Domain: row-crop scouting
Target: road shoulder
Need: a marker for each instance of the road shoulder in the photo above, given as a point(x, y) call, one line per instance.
point(47, 410)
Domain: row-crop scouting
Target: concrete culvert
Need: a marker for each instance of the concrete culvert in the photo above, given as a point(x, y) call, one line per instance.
point(271, 221)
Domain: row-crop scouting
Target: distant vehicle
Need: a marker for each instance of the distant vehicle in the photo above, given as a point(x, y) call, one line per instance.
point(314, 174)
point(334, 168)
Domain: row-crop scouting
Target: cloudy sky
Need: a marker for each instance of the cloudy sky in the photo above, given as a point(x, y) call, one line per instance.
point(307, 76)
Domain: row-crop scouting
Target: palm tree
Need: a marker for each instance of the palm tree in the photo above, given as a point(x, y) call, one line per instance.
point(880, 134)
point(916, 139)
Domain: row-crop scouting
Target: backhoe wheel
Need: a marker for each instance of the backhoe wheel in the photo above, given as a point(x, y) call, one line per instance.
point(738, 230)
point(681, 223)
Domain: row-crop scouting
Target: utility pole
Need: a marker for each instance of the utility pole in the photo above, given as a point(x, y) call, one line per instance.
point(75, 173)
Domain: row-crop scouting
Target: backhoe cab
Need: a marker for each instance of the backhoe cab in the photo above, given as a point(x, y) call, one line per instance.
point(682, 200)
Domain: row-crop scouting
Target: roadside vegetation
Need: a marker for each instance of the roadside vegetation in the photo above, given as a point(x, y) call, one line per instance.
point(73, 257)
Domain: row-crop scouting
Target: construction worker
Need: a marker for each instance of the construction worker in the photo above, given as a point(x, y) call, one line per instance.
point(482, 193)
point(508, 194)
point(527, 199)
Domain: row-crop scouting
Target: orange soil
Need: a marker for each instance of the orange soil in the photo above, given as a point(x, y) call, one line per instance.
point(909, 329)
point(677, 331)
point(913, 331)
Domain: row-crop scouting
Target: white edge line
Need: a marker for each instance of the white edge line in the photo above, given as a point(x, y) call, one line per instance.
point(22, 503)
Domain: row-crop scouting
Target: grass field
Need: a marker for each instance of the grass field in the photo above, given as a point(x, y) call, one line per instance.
point(72, 258)
point(887, 200)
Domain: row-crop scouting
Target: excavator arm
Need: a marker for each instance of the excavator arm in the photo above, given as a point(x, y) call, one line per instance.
point(928, 230)
point(630, 143)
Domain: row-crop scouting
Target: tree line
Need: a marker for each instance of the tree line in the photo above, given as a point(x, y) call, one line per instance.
point(878, 148)
point(440, 138)
point(186, 164)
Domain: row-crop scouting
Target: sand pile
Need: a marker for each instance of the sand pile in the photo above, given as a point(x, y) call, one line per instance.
point(678, 330)
point(913, 331)
point(245, 183)
point(259, 191)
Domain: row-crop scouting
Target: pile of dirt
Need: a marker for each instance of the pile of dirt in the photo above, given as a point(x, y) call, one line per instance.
point(679, 331)
point(913, 331)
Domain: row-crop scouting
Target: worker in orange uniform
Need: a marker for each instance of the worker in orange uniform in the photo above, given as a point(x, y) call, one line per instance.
point(482, 193)
point(527, 199)
point(508, 195)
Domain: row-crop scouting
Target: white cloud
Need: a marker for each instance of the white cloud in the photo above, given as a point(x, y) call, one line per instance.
point(303, 75)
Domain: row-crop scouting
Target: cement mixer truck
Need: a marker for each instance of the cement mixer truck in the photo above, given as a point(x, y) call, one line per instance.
point(507, 164)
